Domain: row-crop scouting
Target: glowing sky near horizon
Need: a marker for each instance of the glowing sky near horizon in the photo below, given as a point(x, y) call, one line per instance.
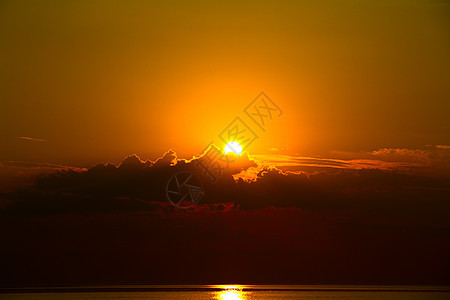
point(90, 81)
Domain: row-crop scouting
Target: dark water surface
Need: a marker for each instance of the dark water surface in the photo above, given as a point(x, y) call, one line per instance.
point(230, 292)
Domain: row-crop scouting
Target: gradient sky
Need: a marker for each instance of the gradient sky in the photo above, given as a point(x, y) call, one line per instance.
point(350, 185)
point(90, 81)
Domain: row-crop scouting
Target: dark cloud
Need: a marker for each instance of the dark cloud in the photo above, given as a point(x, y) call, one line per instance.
point(16, 174)
point(134, 183)
point(113, 224)
point(130, 185)
point(270, 245)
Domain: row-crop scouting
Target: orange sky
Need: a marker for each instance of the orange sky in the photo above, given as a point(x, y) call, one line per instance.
point(96, 81)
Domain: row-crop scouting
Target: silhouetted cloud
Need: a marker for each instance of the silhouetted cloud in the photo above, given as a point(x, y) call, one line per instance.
point(246, 183)
point(17, 174)
point(257, 223)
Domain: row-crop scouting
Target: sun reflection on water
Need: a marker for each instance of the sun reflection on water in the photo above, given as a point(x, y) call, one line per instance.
point(231, 292)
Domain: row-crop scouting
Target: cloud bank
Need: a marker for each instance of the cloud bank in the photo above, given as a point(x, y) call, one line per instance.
point(247, 183)
point(256, 224)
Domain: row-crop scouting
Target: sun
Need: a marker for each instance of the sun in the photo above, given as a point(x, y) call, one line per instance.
point(233, 147)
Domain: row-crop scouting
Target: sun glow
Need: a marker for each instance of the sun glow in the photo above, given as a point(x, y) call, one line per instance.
point(233, 147)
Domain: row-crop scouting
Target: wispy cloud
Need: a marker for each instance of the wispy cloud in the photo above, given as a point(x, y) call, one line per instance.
point(27, 164)
point(445, 147)
point(27, 138)
point(283, 161)
point(433, 161)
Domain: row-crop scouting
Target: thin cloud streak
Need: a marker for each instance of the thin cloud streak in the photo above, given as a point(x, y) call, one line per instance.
point(27, 138)
point(297, 161)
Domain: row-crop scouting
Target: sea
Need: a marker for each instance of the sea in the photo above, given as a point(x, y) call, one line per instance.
point(229, 292)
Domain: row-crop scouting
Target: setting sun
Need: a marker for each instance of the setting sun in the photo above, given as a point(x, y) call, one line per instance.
point(233, 147)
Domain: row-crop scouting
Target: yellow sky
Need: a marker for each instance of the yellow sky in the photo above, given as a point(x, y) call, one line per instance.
point(99, 80)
